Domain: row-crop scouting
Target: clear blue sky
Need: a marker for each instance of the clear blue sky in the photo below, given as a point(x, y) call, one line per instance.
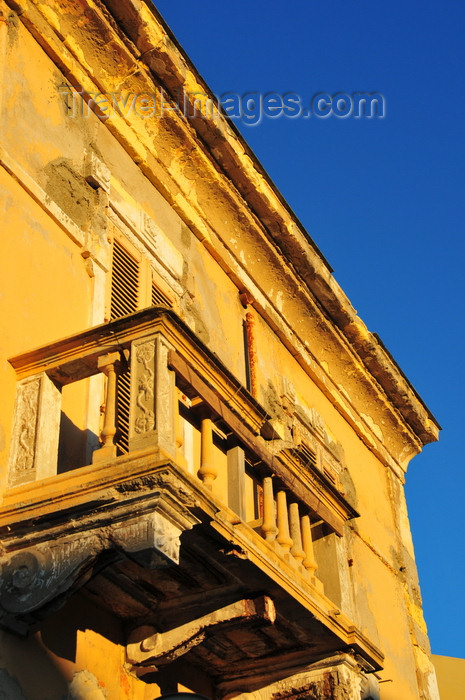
point(382, 198)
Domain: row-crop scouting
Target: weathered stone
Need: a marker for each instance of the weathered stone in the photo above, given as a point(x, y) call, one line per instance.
point(324, 423)
point(35, 432)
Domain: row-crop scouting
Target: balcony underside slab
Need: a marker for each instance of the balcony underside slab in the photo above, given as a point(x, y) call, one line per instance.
point(146, 541)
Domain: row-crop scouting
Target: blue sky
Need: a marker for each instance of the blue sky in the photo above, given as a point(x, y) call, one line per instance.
point(382, 198)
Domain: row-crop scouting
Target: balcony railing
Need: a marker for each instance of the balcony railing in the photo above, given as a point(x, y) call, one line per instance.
point(166, 392)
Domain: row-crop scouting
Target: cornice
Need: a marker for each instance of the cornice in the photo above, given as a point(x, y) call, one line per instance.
point(161, 53)
point(140, 35)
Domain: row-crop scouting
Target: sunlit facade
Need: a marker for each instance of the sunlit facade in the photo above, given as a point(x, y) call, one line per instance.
point(203, 447)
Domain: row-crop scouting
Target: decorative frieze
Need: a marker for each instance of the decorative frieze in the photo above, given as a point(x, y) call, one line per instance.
point(339, 677)
point(310, 433)
point(144, 415)
point(25, 431)
point(36, 425)
point(153, 409)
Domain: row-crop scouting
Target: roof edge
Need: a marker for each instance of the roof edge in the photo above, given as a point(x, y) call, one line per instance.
point(164, 57)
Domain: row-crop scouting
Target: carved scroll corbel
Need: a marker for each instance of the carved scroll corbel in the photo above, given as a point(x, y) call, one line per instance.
point(31, 578)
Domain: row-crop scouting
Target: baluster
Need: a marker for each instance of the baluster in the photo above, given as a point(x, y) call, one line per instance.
point(207, 472)
point(269, 528)
point(309, 562)
point(107, 364)
point(294, 520)
point(283, 538)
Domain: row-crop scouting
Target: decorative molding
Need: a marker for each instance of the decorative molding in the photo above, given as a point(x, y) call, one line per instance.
point(318, 422)
point(96, 172)
point(34, 443)
point(339, 677)
point(152, 396)
point(152, 540)
point(309, 428)
point(144, 416)
point(25, 431)
point(32, 577)
point(166, 537)
point(150, 231)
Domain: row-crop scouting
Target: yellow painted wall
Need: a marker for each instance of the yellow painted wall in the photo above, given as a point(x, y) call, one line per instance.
point(50, 290)
point(450, 673)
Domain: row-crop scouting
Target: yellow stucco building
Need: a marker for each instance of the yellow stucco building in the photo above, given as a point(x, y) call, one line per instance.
point(450, 674)
point(203, 448)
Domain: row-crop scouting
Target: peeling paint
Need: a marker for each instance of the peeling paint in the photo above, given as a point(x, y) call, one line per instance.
point(375, 428)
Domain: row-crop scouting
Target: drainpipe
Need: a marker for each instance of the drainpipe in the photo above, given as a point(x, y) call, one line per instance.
point(251, 350)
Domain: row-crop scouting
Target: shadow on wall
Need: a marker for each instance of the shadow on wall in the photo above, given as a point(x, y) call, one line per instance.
point(73, 653)
point(75, 446)
point(42, 679)
point(44, 664)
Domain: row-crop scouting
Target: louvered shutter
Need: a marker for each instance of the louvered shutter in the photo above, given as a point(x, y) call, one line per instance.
point(124, 300)
point(123, 402)
point(124, 283)
point(158, 298)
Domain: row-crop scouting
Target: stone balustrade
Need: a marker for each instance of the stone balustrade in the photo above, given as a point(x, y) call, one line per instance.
point(176, 387)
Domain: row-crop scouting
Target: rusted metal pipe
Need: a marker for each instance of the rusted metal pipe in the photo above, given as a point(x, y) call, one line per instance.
point(251, 352)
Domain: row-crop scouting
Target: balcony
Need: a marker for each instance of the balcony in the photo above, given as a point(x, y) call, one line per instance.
point(189, 513)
